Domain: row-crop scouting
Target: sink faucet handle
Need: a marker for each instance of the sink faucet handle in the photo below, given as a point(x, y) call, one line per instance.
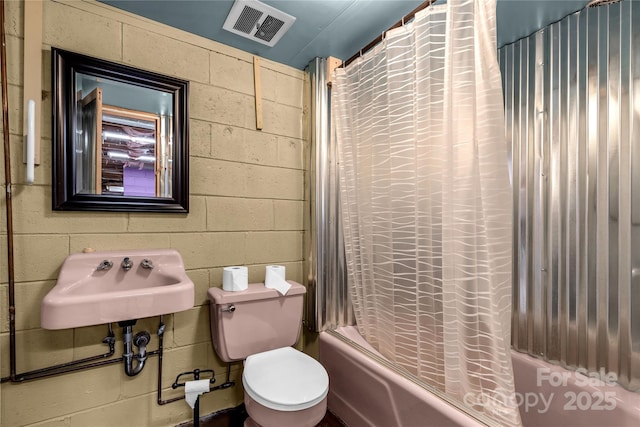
point(105, 265)
point(147, 263)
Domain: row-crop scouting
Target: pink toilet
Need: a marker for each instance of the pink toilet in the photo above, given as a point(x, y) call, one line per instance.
point(282, 386)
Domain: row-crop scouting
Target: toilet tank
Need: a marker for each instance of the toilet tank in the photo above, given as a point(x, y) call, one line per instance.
point(255, 320)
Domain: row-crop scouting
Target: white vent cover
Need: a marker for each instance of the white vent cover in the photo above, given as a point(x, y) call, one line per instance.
point(258, 21)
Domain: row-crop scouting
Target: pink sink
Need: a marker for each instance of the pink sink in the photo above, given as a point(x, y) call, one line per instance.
point(90, 292)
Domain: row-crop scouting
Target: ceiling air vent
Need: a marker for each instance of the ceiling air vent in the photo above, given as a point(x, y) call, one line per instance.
point(258, 21)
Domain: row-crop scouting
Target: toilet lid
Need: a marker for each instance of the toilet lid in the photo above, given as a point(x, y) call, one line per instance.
point(285, 379)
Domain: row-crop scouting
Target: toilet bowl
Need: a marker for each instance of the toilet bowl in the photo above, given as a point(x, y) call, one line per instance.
point(284, 387)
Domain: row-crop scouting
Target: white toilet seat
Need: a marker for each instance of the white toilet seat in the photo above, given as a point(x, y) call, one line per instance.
point(285, 379)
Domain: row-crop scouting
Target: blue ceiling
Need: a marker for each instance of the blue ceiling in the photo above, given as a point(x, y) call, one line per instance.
point(337, 28)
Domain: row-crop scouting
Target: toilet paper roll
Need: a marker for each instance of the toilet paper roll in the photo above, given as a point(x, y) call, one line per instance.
point(193, 389)
point(235, 278)
point(275, 279)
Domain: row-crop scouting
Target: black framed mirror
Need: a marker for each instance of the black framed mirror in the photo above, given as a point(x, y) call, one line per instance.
point(120, 137)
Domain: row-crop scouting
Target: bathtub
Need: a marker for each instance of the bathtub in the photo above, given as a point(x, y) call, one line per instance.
point(365, 390)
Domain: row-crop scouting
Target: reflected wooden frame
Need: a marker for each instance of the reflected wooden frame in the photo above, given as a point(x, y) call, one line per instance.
point(139, 115)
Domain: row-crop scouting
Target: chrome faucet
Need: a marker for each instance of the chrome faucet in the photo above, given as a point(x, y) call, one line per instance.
point(127, 264)
point(147, 263)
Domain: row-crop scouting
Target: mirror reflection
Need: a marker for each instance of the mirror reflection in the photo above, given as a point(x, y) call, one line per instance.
point(121, 143)
point(122, 150)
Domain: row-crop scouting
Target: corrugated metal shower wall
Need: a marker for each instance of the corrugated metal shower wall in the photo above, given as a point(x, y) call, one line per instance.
point(572, 103)
point(328, 301)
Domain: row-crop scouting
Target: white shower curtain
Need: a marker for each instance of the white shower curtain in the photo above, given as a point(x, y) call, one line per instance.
point(426, 203)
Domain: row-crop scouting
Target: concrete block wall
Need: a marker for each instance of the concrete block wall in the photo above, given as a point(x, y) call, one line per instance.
point(246, 208)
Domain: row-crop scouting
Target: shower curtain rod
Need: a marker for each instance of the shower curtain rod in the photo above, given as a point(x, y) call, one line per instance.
point(378, 39)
